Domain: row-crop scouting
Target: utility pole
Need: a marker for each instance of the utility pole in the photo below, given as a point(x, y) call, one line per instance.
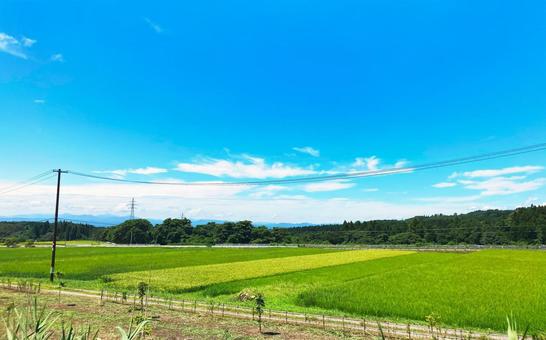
point(54, 244)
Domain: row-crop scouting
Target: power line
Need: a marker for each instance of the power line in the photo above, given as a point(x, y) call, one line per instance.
point(42, 178)
point(346, 175)
point(9, 187)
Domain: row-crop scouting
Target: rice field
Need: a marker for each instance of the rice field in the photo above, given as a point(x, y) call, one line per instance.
point(472, 290)
point(182, 279)
point(90, 264)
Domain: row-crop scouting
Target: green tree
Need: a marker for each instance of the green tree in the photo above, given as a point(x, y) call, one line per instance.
point(132, 231)
point(405, 238)
point(173, 230)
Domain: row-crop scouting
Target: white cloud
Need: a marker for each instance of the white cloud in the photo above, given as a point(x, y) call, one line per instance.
point(150, 170)
point(268, 191)
point(370, 190)
point(529, 169)
point(444, 185)
point(401, 163)
point(454, 175)
point(58, 57)
point(450, 199)
point(254, 167)
point(14, 47)
point(493, 182)
point(210, 203)
point(503, 185)
point(27, 42)
point(308, 150)
point(227, 202)
point(369, 163)
point(39, 101)
point(328, 186)
point(155, 27)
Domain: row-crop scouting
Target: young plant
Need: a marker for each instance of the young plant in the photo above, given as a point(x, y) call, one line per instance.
point(59, 276)
point(260, 307)
point(31, 323)
point(142, 289)
point(433, 320)
point(512, 331)
point(70, 333)
point(133, 333)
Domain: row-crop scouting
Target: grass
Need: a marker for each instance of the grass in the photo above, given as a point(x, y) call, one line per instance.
point(466, 290)
point(185, 278)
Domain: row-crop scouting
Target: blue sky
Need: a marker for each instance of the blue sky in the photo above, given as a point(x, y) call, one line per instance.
point(215, 90)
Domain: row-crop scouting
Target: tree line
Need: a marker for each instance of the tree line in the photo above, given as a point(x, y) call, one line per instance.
point(519, 226)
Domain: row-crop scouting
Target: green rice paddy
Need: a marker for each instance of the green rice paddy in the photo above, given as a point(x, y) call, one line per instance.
point(471, 290)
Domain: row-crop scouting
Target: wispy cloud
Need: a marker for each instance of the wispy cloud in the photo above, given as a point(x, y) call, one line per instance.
point(308, 150)
point(27, 42)
point(401, 163)
point(14, 47)
point(503, 185)
point(368, 163)
point(155, 27)
point(250, 167)
point(39, 101)
point(58, 57)
point(529, 169)
point(215, 203)
point(150, 170)
point(494, 182)
point(374, 163)
point(444, 185)
point(370, 190)
point(328, 186)
point(268, 191)
point(450, 199)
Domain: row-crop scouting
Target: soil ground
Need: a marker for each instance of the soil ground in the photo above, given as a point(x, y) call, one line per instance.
point(165, 324)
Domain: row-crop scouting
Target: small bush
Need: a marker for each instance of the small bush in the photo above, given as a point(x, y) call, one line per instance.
point(106, 279)
point(10, 243)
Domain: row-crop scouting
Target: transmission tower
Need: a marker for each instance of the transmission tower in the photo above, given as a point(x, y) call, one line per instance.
point(132, 207)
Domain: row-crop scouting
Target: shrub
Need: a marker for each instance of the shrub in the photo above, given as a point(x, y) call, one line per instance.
point(10, 242)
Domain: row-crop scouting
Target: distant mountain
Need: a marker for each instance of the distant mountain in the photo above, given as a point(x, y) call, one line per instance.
point(110, 220)
point(283, 225)
point(96, 220)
